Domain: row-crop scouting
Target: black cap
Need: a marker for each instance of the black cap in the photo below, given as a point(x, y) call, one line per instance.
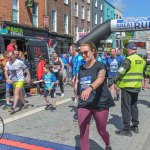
point(132, 46)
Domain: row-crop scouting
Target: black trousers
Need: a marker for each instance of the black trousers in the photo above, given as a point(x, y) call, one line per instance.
point(129, 108)
point(59, 77)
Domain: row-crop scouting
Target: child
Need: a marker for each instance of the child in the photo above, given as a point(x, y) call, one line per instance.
point(49, 79)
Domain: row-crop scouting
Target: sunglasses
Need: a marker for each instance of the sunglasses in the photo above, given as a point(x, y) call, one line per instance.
point(84, 53)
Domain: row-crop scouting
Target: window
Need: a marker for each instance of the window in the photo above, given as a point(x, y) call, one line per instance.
point(76, 33)
point(101, 19)
point(35, 15)
point(66, 2)
point(88, 1)
point(95, 3)
point(88, 30)
point(88, 14)
point(82, 29)
point(108, 13)
point(53, 21)
point(65, 24)
point(82, 12)
point(117, 17)
point(15, 11)
point(95, 18)
point(101, 7)
point(76, 9)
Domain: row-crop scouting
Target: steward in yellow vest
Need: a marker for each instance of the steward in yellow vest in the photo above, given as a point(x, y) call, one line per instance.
point(147, 72)
point(132, 78)
point(129, 79)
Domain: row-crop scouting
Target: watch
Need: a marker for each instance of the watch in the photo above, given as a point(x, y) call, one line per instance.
point(91, 87)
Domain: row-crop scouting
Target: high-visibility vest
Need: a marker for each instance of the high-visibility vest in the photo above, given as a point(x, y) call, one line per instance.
point(133, 77)
point(147, 72)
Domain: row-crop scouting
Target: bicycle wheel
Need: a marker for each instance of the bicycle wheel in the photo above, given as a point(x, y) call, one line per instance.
point(1, 127)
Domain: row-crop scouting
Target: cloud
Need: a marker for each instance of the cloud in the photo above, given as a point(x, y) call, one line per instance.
point(119, 4)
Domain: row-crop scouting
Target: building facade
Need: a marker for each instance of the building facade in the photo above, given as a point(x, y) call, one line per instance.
point(118, 35)
point(25, 12)
point(59, 13)
point(97, 12)
point(81, 18)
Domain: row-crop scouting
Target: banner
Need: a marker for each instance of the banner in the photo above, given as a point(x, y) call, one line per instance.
point(81, 35)
point(130, 24)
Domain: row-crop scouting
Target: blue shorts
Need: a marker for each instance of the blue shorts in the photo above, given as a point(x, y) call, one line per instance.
point(9, 86)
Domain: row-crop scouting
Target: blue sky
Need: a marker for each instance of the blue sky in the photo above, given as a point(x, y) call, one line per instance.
point(132, 8)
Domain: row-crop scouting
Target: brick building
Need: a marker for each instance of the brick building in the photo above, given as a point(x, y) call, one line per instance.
point(18, 11)
point(81, 18)
point(59, 13)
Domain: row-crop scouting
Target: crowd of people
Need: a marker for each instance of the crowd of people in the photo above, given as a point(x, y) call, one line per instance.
point(98, 82)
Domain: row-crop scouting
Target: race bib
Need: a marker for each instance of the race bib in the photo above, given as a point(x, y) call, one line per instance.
point(85, 82)
point(47, 81)
point(114, 66)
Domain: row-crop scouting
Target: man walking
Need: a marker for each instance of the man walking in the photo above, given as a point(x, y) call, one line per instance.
point(129, 79)
point(14, 73)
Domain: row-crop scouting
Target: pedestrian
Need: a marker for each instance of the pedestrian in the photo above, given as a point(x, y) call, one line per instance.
point(94, 96)
point(76, 62)
point(40, 72)
point(9, 87)
point(58, 67)
point(129, 79)
point(49, 79)
point(113, 63)
point(119, 53)
point(146, 72)
point(14, 74)
point(12, 45)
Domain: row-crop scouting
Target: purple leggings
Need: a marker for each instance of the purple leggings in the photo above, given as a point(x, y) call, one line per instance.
point(84, 117)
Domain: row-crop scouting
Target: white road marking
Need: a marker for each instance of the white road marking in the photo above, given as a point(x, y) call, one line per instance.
point(34, 111)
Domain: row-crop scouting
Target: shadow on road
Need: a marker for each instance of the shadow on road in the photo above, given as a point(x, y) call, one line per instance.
point(116, 121)
point(93, 144)
point(143, 102)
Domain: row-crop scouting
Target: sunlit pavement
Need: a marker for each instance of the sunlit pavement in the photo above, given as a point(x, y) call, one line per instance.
point(42, 130)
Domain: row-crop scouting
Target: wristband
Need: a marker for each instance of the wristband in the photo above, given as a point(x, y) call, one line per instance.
point(91, 87)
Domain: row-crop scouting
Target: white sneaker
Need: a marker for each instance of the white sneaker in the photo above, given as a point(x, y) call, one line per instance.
point(76, 101)
point(62, 95)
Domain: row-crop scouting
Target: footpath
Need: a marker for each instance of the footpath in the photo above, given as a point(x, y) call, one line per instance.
point(63, 130)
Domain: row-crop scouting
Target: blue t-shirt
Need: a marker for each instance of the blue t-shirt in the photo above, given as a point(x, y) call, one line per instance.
point(101, 60)
point(48, 79)
point(122, 56)
point(77, 61)
point(1, 74)
point(113, 64)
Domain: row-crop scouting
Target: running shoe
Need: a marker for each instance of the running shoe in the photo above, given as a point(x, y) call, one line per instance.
point(12, 111)
point(47, 106)
point(62, 95)
point(7, 106)
point(52, 108)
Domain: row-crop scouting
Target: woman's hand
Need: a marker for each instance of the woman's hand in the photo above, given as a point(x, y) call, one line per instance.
point(85, 94)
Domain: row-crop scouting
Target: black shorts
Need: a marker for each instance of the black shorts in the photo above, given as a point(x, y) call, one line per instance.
point(46, 92)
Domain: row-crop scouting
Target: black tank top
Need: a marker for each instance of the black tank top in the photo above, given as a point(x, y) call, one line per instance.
point(57, 63)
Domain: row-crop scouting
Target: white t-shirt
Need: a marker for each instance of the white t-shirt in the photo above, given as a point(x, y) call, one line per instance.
point(16, 70)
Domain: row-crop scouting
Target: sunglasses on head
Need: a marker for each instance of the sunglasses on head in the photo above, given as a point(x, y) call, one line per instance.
point(84, 53)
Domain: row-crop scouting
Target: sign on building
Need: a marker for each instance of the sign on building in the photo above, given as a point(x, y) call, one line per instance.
point(81, 35)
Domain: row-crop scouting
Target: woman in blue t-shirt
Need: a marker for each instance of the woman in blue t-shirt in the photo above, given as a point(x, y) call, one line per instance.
point(49, 79)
